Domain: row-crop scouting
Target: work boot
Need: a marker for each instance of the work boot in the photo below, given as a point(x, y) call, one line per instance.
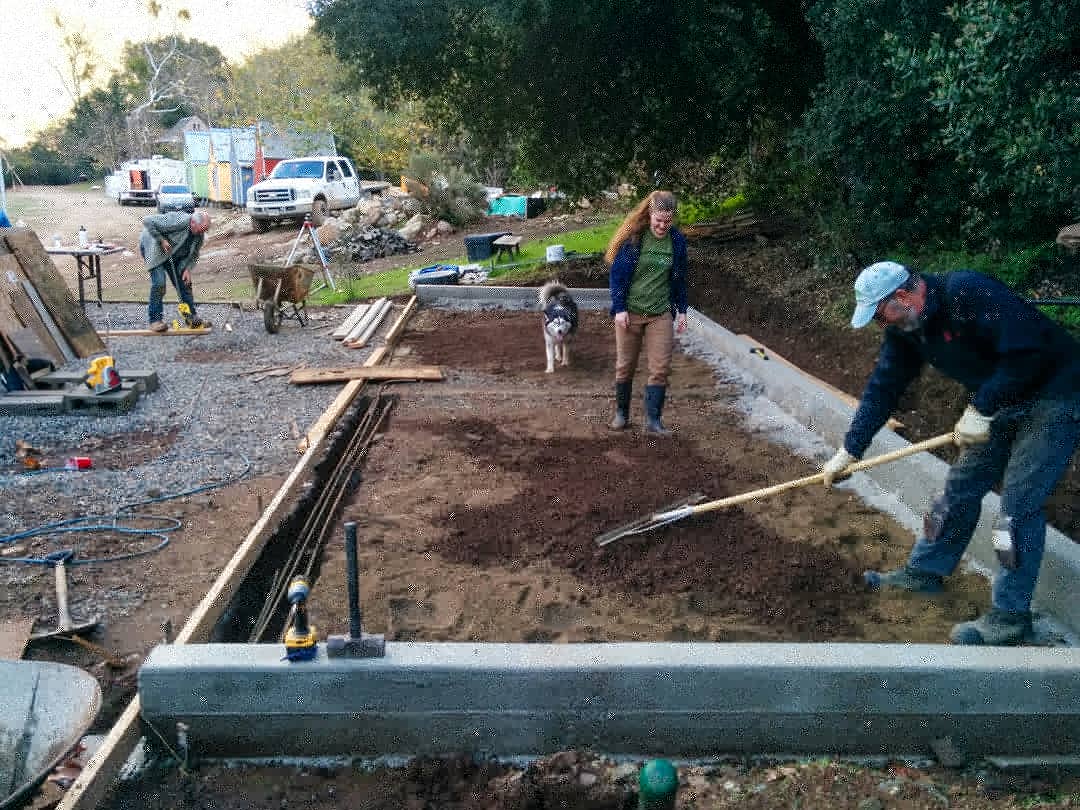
point(159, 326)
point(654, 406)
point(904, 579)
point(622, 405)
point(996, 628)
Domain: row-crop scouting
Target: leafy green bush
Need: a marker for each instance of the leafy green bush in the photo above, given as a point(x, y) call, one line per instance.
point(701, 209)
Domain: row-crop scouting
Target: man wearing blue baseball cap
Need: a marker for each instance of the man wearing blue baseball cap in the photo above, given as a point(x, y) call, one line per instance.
point(1021, 425)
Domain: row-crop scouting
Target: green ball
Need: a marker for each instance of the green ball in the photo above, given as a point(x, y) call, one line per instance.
point(658, 783)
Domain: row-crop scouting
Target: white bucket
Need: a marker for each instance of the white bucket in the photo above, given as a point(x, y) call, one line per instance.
point(555, 253)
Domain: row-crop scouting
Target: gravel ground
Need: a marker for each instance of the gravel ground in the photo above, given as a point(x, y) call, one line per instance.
point(219, 413)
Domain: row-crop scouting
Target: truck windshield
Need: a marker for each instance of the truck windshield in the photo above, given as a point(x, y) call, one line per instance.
point(311, 169)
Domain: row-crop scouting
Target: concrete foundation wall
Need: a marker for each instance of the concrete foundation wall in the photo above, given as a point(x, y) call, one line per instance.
point(685, 700)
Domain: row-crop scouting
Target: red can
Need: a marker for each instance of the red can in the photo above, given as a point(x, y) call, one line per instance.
point(79, 463)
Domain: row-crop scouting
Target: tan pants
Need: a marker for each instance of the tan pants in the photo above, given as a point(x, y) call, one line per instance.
point(656, 332)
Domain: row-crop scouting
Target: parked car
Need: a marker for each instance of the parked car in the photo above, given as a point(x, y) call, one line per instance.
point(175, 197)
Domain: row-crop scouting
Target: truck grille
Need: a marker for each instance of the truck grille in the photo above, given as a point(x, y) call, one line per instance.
point(274, 195)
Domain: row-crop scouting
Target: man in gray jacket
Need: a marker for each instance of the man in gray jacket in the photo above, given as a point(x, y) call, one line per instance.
point(170, 245)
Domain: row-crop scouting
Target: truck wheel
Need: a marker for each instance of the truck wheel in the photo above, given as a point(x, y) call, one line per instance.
point(319, 211)
point(260, 225)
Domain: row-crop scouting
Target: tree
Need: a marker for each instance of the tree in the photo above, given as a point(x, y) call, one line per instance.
point(168, 78)
point(80, 63)
point(584, 88)
point(953, 120)
point(300, 82)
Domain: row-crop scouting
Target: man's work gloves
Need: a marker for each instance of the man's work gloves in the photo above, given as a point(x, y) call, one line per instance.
point(973, 428)
point(836, 465)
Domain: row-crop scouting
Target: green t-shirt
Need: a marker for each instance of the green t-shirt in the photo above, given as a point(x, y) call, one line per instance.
point(650, 289)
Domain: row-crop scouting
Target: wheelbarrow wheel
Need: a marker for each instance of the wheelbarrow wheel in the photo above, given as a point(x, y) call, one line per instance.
point(271, 317)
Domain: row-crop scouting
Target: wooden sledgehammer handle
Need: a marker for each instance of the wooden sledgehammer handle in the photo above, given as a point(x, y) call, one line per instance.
point(819, 478)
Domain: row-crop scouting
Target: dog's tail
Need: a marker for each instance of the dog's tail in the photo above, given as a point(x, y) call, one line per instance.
point(549, 291)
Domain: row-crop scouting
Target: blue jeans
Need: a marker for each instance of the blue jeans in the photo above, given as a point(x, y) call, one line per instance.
point(157, 290)
point(1029, 449)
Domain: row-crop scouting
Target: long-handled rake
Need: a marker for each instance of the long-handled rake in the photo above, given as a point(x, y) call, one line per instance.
point(685, 510)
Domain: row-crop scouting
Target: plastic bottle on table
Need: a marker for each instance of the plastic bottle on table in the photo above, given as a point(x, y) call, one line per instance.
point(84, 239)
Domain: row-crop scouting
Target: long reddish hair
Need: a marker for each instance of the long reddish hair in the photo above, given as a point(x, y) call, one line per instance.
point(638, 220)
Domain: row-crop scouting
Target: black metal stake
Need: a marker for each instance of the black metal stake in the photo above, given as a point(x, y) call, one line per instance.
point(353, 573)
point(357, 644)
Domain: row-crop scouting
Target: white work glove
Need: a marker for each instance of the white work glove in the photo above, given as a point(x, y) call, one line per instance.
point(836, 465)
point(973, 428)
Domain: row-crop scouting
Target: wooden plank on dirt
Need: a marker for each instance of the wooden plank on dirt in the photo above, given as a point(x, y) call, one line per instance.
point(768, 354)
point(13, 637)
point(39, 269)
point(305, 376)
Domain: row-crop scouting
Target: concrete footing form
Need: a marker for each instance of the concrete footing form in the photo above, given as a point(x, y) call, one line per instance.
point(680, 700)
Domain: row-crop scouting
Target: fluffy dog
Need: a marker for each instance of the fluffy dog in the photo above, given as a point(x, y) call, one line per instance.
point(560, 323)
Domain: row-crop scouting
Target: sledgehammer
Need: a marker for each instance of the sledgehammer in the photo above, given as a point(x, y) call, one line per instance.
point(658, 519)
point(64, 625)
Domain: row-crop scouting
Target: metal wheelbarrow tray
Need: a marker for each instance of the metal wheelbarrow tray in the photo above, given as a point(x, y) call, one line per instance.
point(280, 292)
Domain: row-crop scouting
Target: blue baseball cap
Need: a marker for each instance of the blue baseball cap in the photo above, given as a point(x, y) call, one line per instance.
point(874, 284)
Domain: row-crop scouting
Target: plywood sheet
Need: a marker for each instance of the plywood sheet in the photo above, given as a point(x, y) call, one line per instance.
point(55, 294)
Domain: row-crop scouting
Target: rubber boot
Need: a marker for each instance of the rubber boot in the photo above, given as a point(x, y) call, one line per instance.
point(654, 406)
point(622, 405)
point(996, 628)
point(903, 579)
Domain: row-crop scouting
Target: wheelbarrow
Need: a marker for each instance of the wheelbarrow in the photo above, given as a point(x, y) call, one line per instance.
point(280, 292)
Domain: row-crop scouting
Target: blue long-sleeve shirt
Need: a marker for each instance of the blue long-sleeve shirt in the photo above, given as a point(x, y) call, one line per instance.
point(626, 259)
point(1003, 350)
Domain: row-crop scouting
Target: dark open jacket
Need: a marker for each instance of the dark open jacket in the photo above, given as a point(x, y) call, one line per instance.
point(622, 272)
point(1003, 350)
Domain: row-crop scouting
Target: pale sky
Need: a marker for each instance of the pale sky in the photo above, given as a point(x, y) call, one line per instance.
point(31, 92)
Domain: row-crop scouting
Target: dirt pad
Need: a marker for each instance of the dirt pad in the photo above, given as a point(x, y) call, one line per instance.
point(481, 503)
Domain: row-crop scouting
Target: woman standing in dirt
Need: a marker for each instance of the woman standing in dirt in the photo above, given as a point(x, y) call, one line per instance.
point(648, 262)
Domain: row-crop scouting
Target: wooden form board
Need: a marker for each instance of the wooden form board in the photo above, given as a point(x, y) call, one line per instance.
point(769, 354)
point(305, 376)
point(17, 313)
point(57, 297)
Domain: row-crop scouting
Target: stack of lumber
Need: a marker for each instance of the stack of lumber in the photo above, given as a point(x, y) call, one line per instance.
point(743, 225)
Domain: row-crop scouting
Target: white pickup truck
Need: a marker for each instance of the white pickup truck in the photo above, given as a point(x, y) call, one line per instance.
point(301, 186)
